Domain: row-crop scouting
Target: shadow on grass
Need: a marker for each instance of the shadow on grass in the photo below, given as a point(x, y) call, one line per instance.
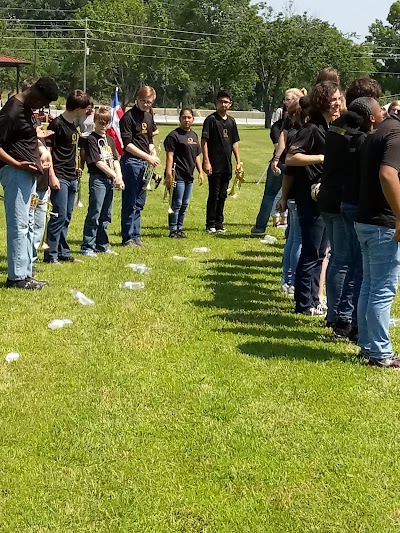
point(246, 295)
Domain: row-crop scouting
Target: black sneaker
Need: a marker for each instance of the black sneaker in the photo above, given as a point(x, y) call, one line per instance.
point(42, 282)
point(28, 284)
point(181, 234)
point(353, 335)
point(391, 362)
point(341, 330)
point(173, 234)
point(51, 260)
point(66, 258)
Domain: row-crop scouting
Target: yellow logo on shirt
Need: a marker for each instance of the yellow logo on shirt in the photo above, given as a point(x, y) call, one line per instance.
point(75, 138)
point(144, 128)
point(191, 140)
point(225, 133)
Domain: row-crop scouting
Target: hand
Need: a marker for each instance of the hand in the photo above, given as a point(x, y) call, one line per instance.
point(281, 206)
point(45, 160)
point(396, 236)
point(119, 184)
point(207, 167)
point(274, 166)
point(43, 134)
point(153, 160)
point(201, 179)
point(322, 158)
point(54, 183)
point(28, 166)
point(79, 173)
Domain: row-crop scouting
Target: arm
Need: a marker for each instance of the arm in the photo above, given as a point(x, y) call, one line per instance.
point(235, 150)
point(199, 170)
point(303, 160)
point(118, 182)
point(280, 148)
point(206, 162)
point(137, 152)
point(28, 166)
point(389, 178)
point(168, 169)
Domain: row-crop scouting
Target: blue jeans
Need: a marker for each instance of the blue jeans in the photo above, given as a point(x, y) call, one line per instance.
point(98, 218)
point(37, 220)
point(349, 213)
point(339, 278)
point(18, 188)
point(313, 251)
point(292, 249)
point(57, 229)
point(133, 197)
point(272, 187)
point(180, 201)
point(381, 268)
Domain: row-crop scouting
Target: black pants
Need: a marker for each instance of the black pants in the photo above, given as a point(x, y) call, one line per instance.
point(217, 192)
point(313, 250)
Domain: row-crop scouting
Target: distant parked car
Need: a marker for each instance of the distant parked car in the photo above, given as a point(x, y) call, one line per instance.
point(43, 116)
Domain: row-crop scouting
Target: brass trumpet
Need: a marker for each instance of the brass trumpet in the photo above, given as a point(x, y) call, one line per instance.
point(237, 182)
point(150, 172)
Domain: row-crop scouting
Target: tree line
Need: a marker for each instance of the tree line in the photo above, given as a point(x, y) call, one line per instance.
point(189, 49)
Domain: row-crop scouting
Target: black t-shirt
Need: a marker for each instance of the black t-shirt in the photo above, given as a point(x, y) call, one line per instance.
point(309, 140)
point(351, 187)
point(137, 128)
point(336, 164)
point(380, 148)
point(220, 134)
point(99, 148)
point(18, 133)
point(63, 148)
point(186, 147)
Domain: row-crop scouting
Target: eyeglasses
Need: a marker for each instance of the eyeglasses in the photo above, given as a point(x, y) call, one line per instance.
point(227, 102)
point(146, 102)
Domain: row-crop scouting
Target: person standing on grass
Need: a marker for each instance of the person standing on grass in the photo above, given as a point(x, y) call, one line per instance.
point(378, 230)
point(63, 145)
point(20, 164)
point(137, 128)
point(183, 152)
point(105, 174)
point(306, 154)
point(219, 138)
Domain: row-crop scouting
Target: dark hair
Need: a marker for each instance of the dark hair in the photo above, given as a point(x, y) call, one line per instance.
point(363, 108)
point(328, 74)
point(47, 87)
point(186, 109)
point(363, 87)
point(77, 100)
point(224, 94)
point(321, 95)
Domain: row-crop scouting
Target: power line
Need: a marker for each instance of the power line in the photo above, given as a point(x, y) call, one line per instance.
point(144, 45)
point(36, 9)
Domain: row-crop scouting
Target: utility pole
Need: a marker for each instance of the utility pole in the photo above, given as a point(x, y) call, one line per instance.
point(86, 53)
point(35, 55)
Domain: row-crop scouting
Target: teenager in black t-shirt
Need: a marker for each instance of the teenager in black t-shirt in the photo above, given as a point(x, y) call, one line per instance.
point(136, 126)
point(378, 230)
point(63, 145)
point(105, 174)
point(219, 139)
point(307, 154)
point(183, 154)
point(20, 164)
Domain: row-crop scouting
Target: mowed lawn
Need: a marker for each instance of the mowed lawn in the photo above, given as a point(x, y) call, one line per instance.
point(199, 404)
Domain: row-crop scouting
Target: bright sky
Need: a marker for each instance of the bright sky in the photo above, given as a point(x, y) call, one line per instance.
point(347, 15)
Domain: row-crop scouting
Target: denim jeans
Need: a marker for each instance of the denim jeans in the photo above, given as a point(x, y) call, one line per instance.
point(37, 221)
point(217, 193)
point(180, 201)
point(57, 229)
point(133, 197)
point(98, 218)
point(313, 251)
point(292, 249)
point(381, 269)
point(339, 278)
point(349, 213)
point(18, 188)
point(272, 186)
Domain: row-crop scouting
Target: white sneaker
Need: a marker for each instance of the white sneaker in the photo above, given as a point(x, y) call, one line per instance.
point(211, 230)
point(109, 252)
point(285, 288)
point(291, 290)
point(316, 311)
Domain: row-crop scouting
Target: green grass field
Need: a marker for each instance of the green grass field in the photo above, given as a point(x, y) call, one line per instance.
point(200, 404)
